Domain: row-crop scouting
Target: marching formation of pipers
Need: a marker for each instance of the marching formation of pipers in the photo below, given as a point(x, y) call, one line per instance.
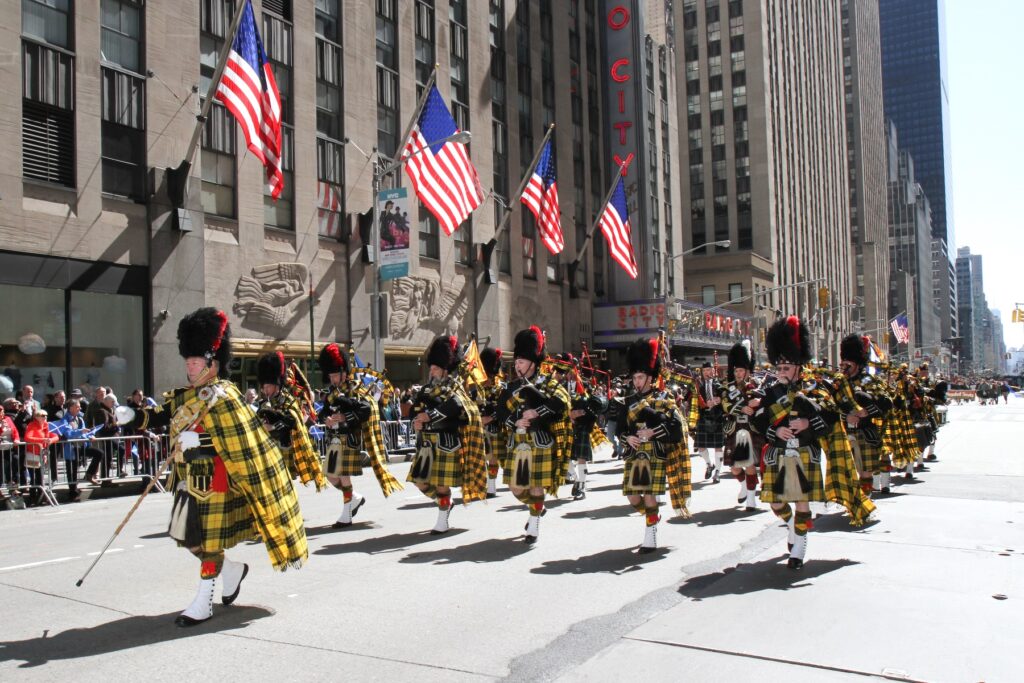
point(790, 433)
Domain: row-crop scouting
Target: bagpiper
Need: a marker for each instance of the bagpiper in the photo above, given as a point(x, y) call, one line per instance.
point(487, 400)
point(286, 408)
point(352, 420)
point(230, 481)
point(864, 417)
point(792, 424)
point(651, 427)
point(450, 451)
point(709, 439)
point(585, 409)
point(741, 398)
point(535, 409)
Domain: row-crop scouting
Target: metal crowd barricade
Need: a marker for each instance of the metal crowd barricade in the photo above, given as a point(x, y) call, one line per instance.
point(399, 438)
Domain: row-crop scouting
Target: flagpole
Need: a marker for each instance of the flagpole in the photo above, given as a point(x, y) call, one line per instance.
point(488, 247)
point(177, 177)
point(590, 233)
point(415, 115)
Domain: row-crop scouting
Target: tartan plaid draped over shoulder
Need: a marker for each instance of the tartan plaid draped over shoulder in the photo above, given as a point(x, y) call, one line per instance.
point(303, 457)
point(373, 442)
point(561, 430)
point(677, 455)
point(841, 484)
point(473, 454)
point(255, 467)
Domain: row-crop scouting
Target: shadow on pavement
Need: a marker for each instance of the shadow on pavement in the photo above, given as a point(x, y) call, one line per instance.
point(123, 634)
point(771, 574)
point(825, 524)
point(723, 516)
point(615, 561)
point(149, 537)
point(606, 487)
point(427, 503)
point(314, 531)
point(601, 513)
point(490, 550)
point(385, 544)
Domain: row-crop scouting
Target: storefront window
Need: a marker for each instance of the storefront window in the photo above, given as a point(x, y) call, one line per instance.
point(32, 340)
point(107, 346)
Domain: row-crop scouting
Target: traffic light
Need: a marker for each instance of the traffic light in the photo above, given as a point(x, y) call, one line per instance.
point(672, 323)
point(1018, 315)
point(823, 297)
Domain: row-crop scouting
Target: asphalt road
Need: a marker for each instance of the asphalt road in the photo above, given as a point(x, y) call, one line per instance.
point(927, 593)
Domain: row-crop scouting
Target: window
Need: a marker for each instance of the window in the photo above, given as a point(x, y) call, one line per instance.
point(459, 61)
point(430, 245)
point(330, 164)
point(277, 40)
point(529, 246)
point(218, 163)
point(708, 295)
point(424, 43)
point(463, 237)
point(328, 20)
point(48, 92)
point(387, 78)
point(123, 95)
point(735, 291)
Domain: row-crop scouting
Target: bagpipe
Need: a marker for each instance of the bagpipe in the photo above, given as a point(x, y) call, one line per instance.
point(435, 394)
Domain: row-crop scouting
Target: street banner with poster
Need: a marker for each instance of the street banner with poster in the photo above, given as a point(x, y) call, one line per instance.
point(393, 212)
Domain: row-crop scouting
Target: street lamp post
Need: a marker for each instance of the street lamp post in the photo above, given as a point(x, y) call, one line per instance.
point(381, 171)
point(724, 244)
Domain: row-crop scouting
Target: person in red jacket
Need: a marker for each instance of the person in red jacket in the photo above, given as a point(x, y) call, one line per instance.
point(8, 451)
point(38, 440)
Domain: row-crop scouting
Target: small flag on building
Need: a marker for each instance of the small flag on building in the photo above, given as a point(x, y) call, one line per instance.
point(900, 329)
point(616, 230)
point(442, 174)
point(249, 90)
point(541, 198)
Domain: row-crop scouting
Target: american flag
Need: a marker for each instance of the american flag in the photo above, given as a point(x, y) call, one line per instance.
point(616, 230)
point(442, 174)
point(249, 91)
point(900, 329)
point(541, 198)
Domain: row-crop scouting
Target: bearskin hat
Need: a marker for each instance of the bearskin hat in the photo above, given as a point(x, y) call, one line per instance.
point(206, 333)
point(854, 349)
point(490, 359)
point(787, 341)
point(643, 356)
point(740, 356)
point(271, 368)
point(332, 359)
point(529, 344)
point(444, 352)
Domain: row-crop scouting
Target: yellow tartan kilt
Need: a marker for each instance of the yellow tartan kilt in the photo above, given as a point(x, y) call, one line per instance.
point(544, 470)
point(872, 457)
point(657, 486)
point(342, 460)
point(445, 469)
point(810, 463)
point(225, 518)
point(497, 448)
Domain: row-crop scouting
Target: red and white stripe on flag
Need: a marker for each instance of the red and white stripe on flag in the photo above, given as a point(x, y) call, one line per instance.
point(616, 230)
point(541, 197)
point(249, 90)
point(443, 176)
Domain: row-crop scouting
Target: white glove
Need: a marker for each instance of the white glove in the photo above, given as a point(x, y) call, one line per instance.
point(123, 415)
point(188, 440)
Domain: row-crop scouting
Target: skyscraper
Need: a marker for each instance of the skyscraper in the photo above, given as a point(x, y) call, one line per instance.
point(913, 36)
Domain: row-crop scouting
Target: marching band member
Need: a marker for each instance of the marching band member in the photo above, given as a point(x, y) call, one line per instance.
point(487, 399)
point(792, 424)
point(450, 449)
point(863, 419)
point(229, 479)
point(352, 418)
point(535, 409)
point(741, 397)
point(710, 435)
point(652, 428)
point(284, 413)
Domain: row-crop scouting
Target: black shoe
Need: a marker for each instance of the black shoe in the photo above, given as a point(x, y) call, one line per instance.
point(580, 495)
point(795, 563)
point(576, 488)
point(885, 489)
point(228, 599)
point(932, 458)
point(708, 469)
point(185, 622)
point(908, 476)
point(919, 467)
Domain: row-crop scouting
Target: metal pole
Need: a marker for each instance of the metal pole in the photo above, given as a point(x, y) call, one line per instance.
point(415, 117)
point(378, 351)
point(312, 338)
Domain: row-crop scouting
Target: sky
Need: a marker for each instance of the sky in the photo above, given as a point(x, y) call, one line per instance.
point(985, 69)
